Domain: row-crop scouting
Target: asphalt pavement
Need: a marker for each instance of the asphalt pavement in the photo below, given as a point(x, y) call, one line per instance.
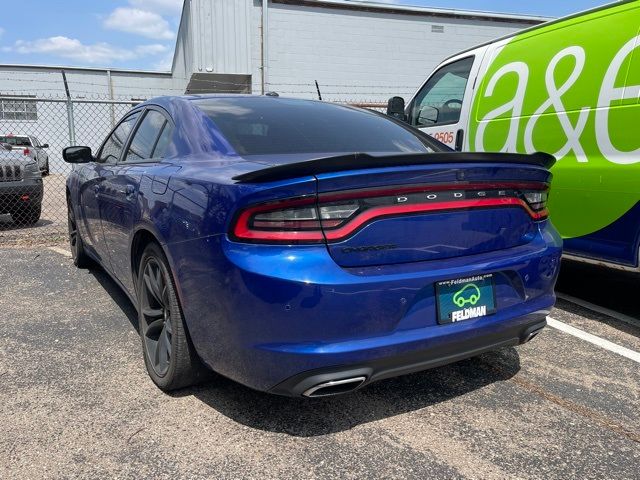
point(77, 402)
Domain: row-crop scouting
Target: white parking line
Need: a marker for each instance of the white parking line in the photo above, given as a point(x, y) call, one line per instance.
point(61, 251)
point(600, 342)
point(597, 308)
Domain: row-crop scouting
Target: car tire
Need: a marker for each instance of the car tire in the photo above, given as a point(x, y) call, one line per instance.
point(45, 172)
point(28, 215)
point(169, 354)
point(78, 254)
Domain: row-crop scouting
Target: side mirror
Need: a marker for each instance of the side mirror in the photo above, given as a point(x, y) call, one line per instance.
point(44, 145)
point(428, 115)
point(395, 108)
point(77, 155)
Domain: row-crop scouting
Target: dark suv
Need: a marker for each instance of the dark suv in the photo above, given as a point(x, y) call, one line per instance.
point(21, 188)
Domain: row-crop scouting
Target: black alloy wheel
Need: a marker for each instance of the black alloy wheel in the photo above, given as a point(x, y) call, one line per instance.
point(156, 317)
point(80, 258)
point(169, 355)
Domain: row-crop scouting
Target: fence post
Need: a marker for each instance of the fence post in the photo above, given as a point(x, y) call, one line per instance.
point(70, 120)
point(111, 110)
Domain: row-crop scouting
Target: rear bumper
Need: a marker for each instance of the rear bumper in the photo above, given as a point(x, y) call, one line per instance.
point(272, 317)
point(21, 193)
point(446, 352)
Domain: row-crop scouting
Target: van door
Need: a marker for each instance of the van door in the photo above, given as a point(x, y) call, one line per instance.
point(441, 107)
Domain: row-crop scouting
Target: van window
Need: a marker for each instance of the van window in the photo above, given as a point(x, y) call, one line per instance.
point(440, 100)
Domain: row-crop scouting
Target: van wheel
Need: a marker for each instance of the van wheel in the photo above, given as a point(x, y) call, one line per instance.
point(169, 355)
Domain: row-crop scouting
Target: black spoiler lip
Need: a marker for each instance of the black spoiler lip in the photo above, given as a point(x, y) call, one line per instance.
point(356, 161)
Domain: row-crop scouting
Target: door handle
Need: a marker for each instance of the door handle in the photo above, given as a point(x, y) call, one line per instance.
point(459, 140)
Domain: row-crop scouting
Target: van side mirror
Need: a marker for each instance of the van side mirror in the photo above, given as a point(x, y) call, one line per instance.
point(395, 108)
point(44, 145)
point(77, 155)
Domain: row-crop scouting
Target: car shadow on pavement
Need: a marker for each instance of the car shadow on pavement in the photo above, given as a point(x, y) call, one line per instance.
point(608, 288)
point(116, 293)
point(320, 416)
point(387, 398)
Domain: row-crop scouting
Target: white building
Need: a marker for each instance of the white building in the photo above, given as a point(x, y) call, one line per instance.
point(357, 51)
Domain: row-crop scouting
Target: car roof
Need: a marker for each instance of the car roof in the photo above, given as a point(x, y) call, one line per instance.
point(179, 103)
point(176, 99)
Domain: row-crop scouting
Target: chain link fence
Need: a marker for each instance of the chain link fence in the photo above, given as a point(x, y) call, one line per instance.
point(33, 132)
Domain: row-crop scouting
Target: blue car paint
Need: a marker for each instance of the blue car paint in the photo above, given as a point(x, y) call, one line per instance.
point(282, 311)
point(260, 314)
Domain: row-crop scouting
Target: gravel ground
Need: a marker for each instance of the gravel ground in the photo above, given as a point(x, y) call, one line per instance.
point(77, 403)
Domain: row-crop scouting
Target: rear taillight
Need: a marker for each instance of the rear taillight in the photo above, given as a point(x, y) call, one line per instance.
point(536, 199)
point(26, 151)
point(335, 216)
point(288, 221)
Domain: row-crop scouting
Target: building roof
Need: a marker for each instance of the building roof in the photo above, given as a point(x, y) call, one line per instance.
point(86, 69)
point(353, 5)
point(371, 6)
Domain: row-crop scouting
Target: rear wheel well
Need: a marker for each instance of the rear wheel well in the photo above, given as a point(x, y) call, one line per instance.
point(141, 239)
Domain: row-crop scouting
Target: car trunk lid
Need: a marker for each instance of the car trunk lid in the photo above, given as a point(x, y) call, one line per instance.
point(416, 213)
point(377, 210)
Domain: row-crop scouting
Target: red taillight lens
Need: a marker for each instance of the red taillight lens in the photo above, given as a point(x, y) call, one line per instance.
point(301, 218)
point(336, 216)
point(26, 151)
point(288, 221)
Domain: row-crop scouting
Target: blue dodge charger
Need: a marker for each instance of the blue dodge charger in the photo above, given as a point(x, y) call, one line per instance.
point(306, 248)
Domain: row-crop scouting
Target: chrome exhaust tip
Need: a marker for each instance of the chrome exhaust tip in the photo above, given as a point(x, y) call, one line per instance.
point(334, 387)
point(531, 335)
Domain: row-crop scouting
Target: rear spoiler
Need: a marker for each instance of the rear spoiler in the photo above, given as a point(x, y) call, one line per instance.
point(355, 161)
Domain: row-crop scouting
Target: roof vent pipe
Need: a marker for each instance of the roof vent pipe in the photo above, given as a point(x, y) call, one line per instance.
point(264, 42)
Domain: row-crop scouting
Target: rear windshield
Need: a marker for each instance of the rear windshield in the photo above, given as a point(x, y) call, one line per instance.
point(16, 141)
point(262, 126)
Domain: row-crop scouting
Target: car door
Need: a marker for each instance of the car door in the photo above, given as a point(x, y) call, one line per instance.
point(93, 176)
point(121, 198)
point(37, 152)
point(441, 106)
point(43, 156)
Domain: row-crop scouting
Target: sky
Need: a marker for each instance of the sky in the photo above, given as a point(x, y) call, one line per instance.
point(141, 34)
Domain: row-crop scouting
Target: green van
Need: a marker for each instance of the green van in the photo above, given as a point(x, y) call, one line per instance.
point(571, 88)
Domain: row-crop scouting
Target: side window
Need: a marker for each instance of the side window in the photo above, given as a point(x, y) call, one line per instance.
point(440, 100)
point(112, 148)
point(160, 149)
point(147, 136)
